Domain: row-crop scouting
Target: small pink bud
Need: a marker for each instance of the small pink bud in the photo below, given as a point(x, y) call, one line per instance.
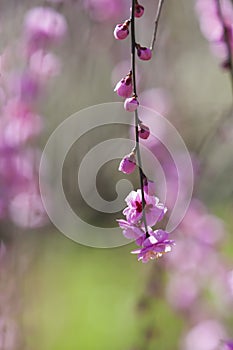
point(139, 10)
point(131, 104)
point(143, 131)
point(128, 164)
point(144, 53)
point(124, 87)
point(121, 31)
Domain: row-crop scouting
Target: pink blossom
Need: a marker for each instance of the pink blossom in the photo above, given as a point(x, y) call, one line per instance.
point(130, 231)
point(154, 246)
point(154, 210)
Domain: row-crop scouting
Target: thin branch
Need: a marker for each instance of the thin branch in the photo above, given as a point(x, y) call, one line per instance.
point(227, 40)
point(137, 146)
point(158, 14)
point(213, 131)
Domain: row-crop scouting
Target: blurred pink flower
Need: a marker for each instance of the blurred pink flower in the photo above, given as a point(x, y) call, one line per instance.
point(43, 26)
point(103, 10)
point(182, 290)
point(21, 124)
point(8, 333)
point(27, 211)
point(206, 335)
point(29, 87)
point(212, 25)
point(198, 223)
point(44, 65)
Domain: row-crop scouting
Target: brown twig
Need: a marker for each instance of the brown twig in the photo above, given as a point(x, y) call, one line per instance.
point(157, 17)
point(213, 131)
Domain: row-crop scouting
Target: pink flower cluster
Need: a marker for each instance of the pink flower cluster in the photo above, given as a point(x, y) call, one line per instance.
point(154, 243)
point(20, 123)
point(215, 26)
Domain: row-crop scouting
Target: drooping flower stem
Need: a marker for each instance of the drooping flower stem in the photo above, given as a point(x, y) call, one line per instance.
point(157, 17)
point(137, 120)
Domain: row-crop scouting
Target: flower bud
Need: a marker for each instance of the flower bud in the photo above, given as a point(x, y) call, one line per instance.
point(128, 164)
point(121, 31)
point(143, 131)
point(144, 53)
point(131, 104)
point(139, 10)
point(124, 87)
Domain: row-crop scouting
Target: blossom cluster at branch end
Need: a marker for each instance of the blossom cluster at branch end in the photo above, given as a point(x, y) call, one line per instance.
point(153, 243)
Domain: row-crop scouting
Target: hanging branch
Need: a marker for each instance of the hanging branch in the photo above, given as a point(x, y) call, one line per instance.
point(213, 131)
point(157, 17)
point(137, 145)
point(227, 39)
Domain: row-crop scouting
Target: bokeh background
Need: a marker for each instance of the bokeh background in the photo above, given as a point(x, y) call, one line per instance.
point(57, 294)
